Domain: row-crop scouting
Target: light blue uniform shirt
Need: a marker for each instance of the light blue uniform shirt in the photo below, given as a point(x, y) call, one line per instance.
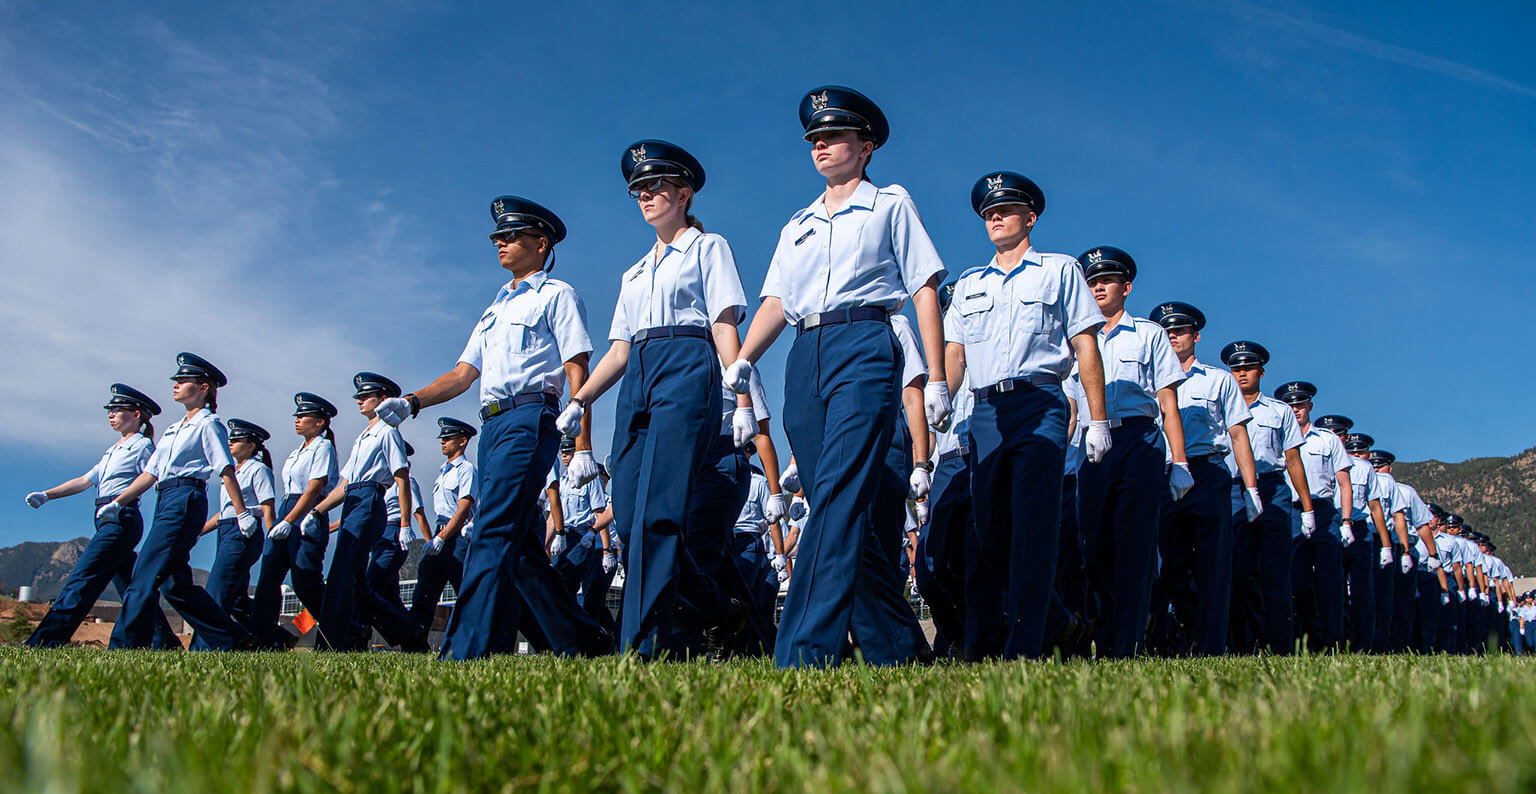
point(1138, 361)
point(1414, 508)
point(392, 502)
point(314, 461)
point(759, 398)
point(1272, 432)
point(521, 343)
point(695, 283)
point(1387, 492)
point(581, 504)
point(1323, 456)
point(1209, 403)
point(754, 514)
point(1020, 323)
point(197, 446)
point(455, 480)
point(1072, 387)
point(256, 483)
point(959, 432)
point(874, 251)
point(120, 465)
point(914, 367)
point(1361, 476)
point(377, 454)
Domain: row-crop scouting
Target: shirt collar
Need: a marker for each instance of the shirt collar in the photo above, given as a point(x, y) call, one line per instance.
point(863, 197)
point(533, 282)
point(1198, 366)
point(1127, 322)
point(1031, 256)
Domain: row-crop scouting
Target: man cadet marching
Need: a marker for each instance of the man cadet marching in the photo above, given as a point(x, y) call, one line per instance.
point(1195, 539)
point(528, 345)
point(1120, 493)
point(1404, 577)
point(1015, 325)
point(1317, 569)
point(1361, 545)
point(1391, 542)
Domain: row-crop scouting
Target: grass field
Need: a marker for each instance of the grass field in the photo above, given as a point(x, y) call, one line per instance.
point(89, 720)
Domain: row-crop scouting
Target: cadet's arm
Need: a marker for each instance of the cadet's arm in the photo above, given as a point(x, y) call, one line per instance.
point(1090, 370)
point(576, 376)
point(1298, 474)
point(1380, 521)
point(448, 385)
point(766, 326)
point(1242, 450)
point(930, 324)
point(69, 487)
point(1173, 425)
point(768, 454)
point(459, 518)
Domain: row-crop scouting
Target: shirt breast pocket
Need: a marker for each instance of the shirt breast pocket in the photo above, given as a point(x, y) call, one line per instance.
point(1199, 414)
point(1034, 312)
point(976, 317)
point(518, 330)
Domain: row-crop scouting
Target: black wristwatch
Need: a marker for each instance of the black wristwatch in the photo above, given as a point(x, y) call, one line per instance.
point(415, 404)
point(924, 465)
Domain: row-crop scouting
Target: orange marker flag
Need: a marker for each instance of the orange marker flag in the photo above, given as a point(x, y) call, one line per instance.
point(303, 622)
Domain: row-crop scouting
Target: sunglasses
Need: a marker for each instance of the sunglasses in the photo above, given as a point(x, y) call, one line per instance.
point(652, 186)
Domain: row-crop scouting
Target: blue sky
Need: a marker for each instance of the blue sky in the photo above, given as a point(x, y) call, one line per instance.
point(299, 194)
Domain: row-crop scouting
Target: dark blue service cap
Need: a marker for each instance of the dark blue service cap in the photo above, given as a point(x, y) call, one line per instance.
point(124, 396)
point(239, 428)
point(947, 295)
point(191, 366)
point(1107, 260)
point(366, 383)
point(1178, 314)
point(651, 158)
point(1334, 423)
point(1297, 391)
point(1381, 457)
point(1436, 510)
point(308, 403)
point(1358, 442)
point(409, 450)
point(515, 214)
point(567, 444)
point(448, 427)
point(835, 107)
point(1453, 520)
point(1244, 354)
point(1006, 187)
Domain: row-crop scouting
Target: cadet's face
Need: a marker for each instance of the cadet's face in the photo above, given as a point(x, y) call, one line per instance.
point(1109, 291)
point(367, 404)
point(307, 425)
point(452, 445)
point(123, 420)
point(521, 251)
point(1009, 223)
point(1303, 412)
point(184, 391)
point(1182, 339)
point(1248, 378)
point(661, 198)
point(838, 153)
point(241, 448)
point(565, 457)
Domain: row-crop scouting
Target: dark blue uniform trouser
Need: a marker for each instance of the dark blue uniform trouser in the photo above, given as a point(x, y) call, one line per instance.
point(351, 601)
point(1119, 501)
point(1386, 585)
point(1018, 455)
point(1430, 608)
point(1405, 596)
point(1448, 636)
point(940, 573)
point(304, 556)
point(708, 579)
point(840, 407)
point(508, 569)
point(108, 557)
point(1195, 541)
point(1360, 564)
point(581, 571)
point(884, 626)
point(1317, 576)
point(180, 510)
point(752, 562)
point(668, 414)
point(229, 581)
point(1261, 571)
point(436, 572)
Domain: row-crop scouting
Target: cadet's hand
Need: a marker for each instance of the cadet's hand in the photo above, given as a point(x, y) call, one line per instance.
point(791, 480)
point(393, 411)
point(610, 560)
point(246, 523)
point(1445, 598)
point(557, 545)
point(738, 376)
point(1432, 564)
point(919, 484)
point(434, 546)
point(583, 468)
point(1501, 607)
point(1346, 532)
point(36, 499)
point(780, 562)
point(1484, 598)
point(1407, 562)
point(1308, 523)
point(405, 537)
point(775, 509)
point(1253, 504)
point(569, 420)
point(936, 404)
point(783, 575)
point(920, 512)
point(743, 426)
point(798, 510)
point(1386, 558)
point(109, 511)
point(311, 525)
point(280, 531)
point(1473, 591)
point(465, 533)
point(1096, 442)
point(1180, 480)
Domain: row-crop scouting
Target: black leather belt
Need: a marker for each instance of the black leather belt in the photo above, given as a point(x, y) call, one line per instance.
point(176, 482)
point(840, 316)
point(228, 522)
point(354, 486)
point(669, 332)
point(494, 407)
point(1132, 421)
point(101, 500)
point(1010, 384)
point(954, 453)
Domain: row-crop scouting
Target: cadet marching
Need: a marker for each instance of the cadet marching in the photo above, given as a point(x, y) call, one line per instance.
point(1055, 473)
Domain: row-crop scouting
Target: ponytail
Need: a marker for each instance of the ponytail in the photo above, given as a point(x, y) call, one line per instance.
point(145, 426)
point(213, 398)
point(263, 455)
point(329, 435)
point(688, 215)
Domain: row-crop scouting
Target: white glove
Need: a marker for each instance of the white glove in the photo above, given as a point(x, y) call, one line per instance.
point(1407, 562)
point(1253, 504)
point(246, 523)
point(780, 562)
point(1485, 599)
point(434, 546)
point(738, 376)
point(1346, 532)
point(109, 511)
point(393, 411)
point(610, 561)
point(583, 468)
point(1473, 591)
point(783, 575)
point(569, 420)
point(465, 533)
point(1096, 442)
point(36, 499)
point(775, 509)
point(936, 404)
point(1462, 594)
point(311, 525)
point(1308, 523)
point(920, 512)
point(280, 530)
point(919, 483)
point(743, 426)
point(1501, 607)
point(1386, 558)
point(405, 537)
point(557, 545)
point(1432, 564)
point(790, 481)
point(1445, 599)
point(1180, 480)
point(798, 510)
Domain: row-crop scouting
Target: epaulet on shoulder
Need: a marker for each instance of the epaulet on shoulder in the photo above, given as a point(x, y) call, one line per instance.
point(800, 213)
point(893, 189)
point(1061, 259)
point(558, 284)
point(968, 271)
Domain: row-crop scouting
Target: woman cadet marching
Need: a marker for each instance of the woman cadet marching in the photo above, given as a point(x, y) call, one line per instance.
point(673, 327)
point(843, 265)
point(108, 557)
point(229, 580)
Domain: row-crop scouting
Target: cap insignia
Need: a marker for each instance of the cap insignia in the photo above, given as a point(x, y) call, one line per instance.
point(819, 101)
point(995, 182)
point(638, 153)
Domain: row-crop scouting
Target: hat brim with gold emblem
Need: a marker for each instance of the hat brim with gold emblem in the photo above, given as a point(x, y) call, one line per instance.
point(651, 158)
point(1107, 260)
point(1001, 188)
point(833, 107)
